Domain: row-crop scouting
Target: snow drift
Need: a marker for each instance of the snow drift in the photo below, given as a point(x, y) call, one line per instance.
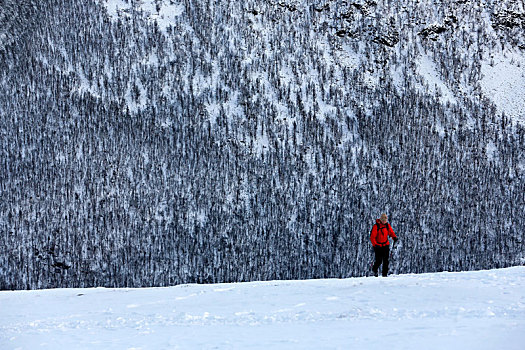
point(460, 310)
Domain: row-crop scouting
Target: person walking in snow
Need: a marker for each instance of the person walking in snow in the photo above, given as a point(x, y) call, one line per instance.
point(379, 238)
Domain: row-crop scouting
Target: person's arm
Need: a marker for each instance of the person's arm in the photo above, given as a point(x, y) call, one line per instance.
point(391, 233)
point(373, 236)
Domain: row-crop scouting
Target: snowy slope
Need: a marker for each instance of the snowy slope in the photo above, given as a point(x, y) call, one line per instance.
point(502, 70)
point(504, 82)
point(466, 310)
point(163, 14)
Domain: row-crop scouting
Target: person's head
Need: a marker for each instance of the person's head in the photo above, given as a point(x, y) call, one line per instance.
point(384, 218)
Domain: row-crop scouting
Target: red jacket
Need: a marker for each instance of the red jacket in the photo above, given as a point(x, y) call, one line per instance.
point(380, 237)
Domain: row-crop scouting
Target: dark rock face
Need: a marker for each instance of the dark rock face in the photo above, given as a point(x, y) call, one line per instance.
point(365, 8)
point(432, 31)
point(346, 33)
point(289, 7)
point(341, 33)
point(390, 39)
point(508, 19)
point(325, 7)
point(61, 265)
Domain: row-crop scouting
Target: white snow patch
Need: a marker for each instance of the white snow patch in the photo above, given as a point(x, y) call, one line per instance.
point(166, 123)
point(348, 57)
point(214, 111)
point(132, 102)
point(116, 7)
point(261, 144)
point(232, 106)
point(370, 80)
point(200, 83)
point(398, 79)
point(285, 74)
point(439, 128)
point(521, 167)
point(152, 59)
point(503, 81)
point(427, 69)
point(491, 151)
point(164, 15)
point(467, 310)
point(198, 216)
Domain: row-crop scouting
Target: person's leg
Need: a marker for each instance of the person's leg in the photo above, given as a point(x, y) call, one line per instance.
point(385, 255)
point(379, 259)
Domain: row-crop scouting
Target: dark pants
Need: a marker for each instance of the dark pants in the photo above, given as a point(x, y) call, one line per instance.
point(382, 254)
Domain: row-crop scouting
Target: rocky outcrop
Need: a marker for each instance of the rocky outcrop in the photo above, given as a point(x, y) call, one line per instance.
point(432, 31)
point(345, 33)
point(289, 7)
point(61, 266)
point(366, 7)
point(389, 39)
point(325, 7)
point(508, 19)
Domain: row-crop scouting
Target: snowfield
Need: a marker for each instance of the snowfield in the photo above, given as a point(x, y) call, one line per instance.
point(504, 83)
point(465, 310)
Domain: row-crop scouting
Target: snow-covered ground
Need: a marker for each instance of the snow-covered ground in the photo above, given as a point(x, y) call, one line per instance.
point(427, 68)
point(466, 310)
point(503, 81)
point(164, 14)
